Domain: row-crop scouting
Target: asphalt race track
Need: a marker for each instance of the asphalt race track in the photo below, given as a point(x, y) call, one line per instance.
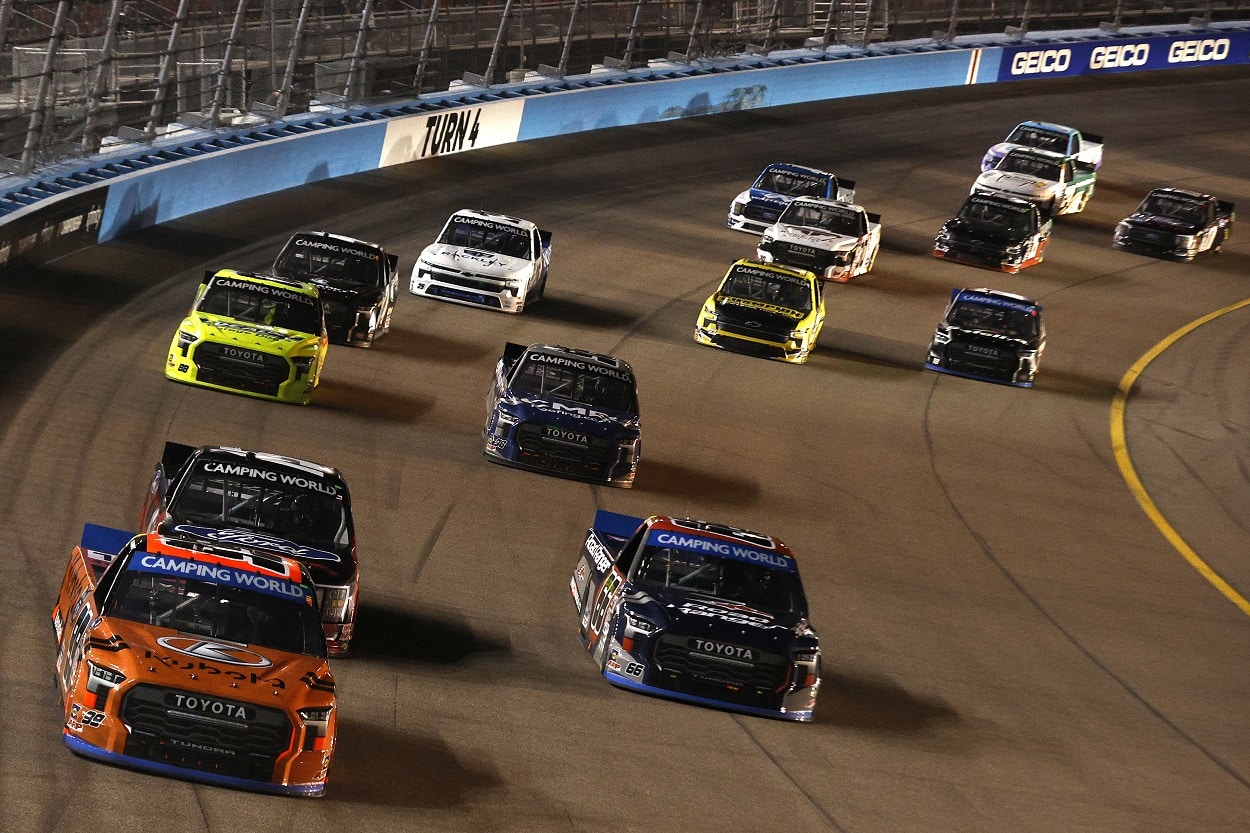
point(1010, 643)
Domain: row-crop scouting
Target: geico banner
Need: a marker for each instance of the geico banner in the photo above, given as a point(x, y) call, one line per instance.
point(1052, 60)
point(411, 138)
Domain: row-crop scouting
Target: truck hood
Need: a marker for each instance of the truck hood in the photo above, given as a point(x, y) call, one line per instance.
point(1167, 224)
point(769, 199)
point(161, 656)
point(815, 237)
point(958, 228)
point(325, 567)
point(1013, 183)
point(268, 339)
point(756, 314)
point(474, 261)
point(694, 614)
point(346, 294)
point(574, 416)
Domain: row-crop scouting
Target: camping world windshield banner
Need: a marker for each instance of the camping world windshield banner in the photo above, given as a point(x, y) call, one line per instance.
point(1052, 60)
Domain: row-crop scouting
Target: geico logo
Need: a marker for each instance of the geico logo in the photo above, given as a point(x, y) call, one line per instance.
point(1122, 55)
point(1188, 51)
point(1046, 60)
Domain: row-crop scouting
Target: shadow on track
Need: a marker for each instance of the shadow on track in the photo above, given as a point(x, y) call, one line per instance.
point(660, 478)
point(336, 395)
point(431, 348)
point(876, 704)
point(568, 311)
point(388, 633)
point(390, 768)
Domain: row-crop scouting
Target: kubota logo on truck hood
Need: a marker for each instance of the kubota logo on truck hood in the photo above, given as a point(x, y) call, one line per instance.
point(207, 649)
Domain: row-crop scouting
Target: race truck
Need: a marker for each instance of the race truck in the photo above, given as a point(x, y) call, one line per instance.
point(1057, 184)
point(257, 335)
point(1176, 224)
point(989, 335)
point(837, 241)
point(564, 411)
point(1003, 233)
point(264, 503)
point(700, 612)
point(192, 660)
point(758, 207)
point(765, 310)
point(1054, 138)
point(486, 260)
point(358, 282)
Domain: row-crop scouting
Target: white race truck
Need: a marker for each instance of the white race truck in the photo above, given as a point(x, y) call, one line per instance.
point(836, 240)
point(1085, 148)
point(1054, 183)
point(486, 260)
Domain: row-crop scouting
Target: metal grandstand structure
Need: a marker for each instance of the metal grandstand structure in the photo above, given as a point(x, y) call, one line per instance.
point(76, 75)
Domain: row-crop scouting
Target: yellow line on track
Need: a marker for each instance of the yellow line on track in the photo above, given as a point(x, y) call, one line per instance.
point(1120, 447)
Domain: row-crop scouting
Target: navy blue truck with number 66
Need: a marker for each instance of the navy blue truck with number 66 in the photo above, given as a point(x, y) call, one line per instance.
point(701, 612)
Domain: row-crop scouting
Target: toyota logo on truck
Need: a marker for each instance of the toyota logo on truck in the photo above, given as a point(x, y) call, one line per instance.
point(707, 646)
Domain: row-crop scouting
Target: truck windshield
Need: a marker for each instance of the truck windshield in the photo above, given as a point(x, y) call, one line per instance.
point(217, 611)
point(792, 183)
point(339, 264)
point(576, 381)
point(285, 510)
point(1005, 321)
point(769, 287)
point(1037, 137)
point(829, 218)
point(488, 236)
point(1003, 219)
point(1035, 166)
point(723, 578)
point(281, 310)
point(1175, 207)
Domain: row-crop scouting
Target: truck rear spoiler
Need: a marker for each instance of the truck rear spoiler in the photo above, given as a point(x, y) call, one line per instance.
point(174, 456)
point(1226, 207)
point(873, 218)
point(511, 352)
point(615, 524)
point(1092, 138)
point(104, 539)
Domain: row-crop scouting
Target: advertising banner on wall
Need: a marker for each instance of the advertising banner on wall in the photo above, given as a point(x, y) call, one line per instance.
point(1056, 60)
point(66, 224)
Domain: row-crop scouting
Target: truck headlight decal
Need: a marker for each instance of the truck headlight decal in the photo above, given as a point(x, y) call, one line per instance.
point(336, 603)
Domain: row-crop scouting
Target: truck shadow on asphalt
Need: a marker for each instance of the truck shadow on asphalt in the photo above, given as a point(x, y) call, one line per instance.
point(346, 397)
point(656, 477)
point(385, 767)
point(877, 704)
point(568, 311)
point(863, 349)
point(388, 633)
point(431, 348)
